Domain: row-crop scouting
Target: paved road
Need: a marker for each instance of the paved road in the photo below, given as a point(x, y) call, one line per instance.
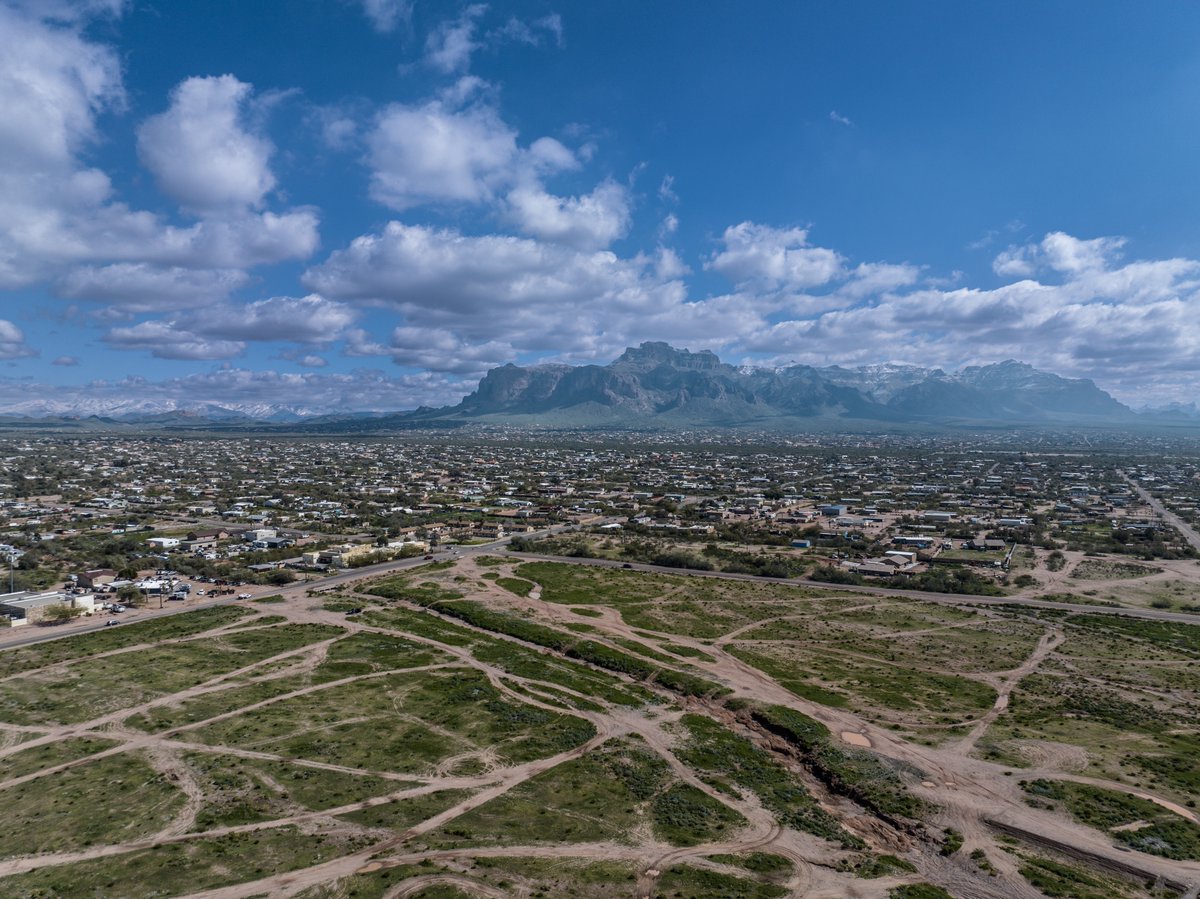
point(9, 640)
point(950, 599)
point(1189, 533)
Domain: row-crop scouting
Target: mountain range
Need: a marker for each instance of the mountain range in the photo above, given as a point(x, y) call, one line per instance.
point(656, 385)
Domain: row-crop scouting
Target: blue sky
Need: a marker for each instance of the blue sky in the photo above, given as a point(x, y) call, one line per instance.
point(365, 204)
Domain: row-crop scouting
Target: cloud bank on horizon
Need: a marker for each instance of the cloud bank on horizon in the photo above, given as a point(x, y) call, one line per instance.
point(172, 227)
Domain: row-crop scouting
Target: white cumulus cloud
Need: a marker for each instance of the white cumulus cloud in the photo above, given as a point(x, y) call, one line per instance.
point(12, 342)
point(386, 15)
point(436, 154)
point(590, 221)
point(200, 151)
point(166, 341)
point(141, 287)
point(767, 258)
point(449, 47)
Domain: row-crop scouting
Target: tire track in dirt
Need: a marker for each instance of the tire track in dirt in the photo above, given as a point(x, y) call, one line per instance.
point(1050, 641)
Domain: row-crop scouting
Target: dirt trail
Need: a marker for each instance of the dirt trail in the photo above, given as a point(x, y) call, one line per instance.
point(1050, 641)
point(492, 787)
point(290, 883)
point(178, 774)
point(225, 681)
point(302, 691)
point(733, 635)
point(241, 624)
point(473, 887)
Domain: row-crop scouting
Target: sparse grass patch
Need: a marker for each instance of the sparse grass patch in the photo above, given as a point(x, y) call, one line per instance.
point(370, 886)
point(175, 869)
point(491, 561)
point(1164, 634)
point(759, 862)
point(53, 652)
point(1054, 877)
point(579, 585)
point(244, 791)
point(401, 723)
point(591, 651)
point(421, 624)
point(919, 891)
point(209, 705)
point(49, 755)
point(686, 816)
point(264, 620)
point(341, 604)
point(364, 653)
point(579, 801)
point(688, 652)
point(109, 800)
point(403, 586)
point(401, 814)
point(559, 877)
point(869, 867)
point(1106, 570)
point(79, 692)
point(1164, 833)
point(785, 675)
point(602, 795)
point(519, 586)
point(914, 696)
point(689, 882)
point(524, 662)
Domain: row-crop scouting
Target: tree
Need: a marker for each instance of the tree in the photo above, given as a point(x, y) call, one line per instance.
point(59, 614)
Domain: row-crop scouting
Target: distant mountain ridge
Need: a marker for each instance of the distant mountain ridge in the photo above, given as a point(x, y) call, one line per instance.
point(656, 383)
point(148, 410)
